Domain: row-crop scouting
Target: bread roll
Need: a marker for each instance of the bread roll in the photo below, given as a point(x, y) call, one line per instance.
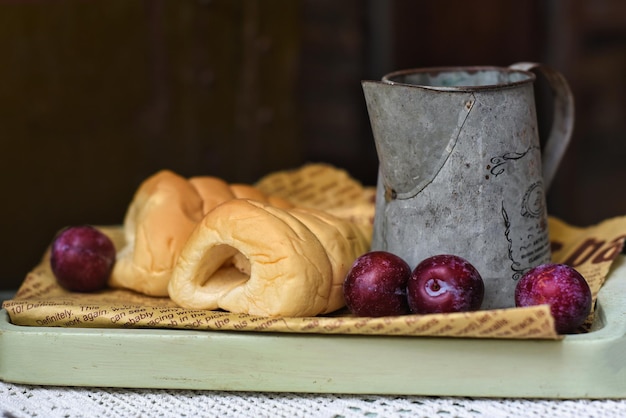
point(160, 219)
point(158, 222)
point(250, 257)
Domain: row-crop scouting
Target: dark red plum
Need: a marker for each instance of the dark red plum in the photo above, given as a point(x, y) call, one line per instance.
point(81, 258)
point(445, 283)
point(376, 285)
point(560, 286)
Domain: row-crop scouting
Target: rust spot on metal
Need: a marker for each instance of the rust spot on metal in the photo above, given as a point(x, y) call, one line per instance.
point(390, 194)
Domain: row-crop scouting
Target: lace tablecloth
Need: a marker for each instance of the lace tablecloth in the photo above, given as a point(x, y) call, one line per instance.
point(38, 401)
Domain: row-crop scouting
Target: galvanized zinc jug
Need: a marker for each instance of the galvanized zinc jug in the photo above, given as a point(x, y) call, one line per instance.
point(461, 169)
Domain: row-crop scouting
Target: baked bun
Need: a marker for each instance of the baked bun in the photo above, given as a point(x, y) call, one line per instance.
point(158, 222)
point(214, 191)
point(254, 258)
point(160, 219)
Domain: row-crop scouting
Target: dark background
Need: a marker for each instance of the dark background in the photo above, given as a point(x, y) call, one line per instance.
point(96, 96)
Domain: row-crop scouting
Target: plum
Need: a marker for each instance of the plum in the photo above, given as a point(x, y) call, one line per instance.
point(445, 283)
point(375, 285)
point(560, 286)
point(81, 258)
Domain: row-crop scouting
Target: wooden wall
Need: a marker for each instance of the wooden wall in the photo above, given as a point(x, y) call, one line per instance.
point(95, 96)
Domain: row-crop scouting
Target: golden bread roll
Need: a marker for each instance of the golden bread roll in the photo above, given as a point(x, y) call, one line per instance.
point(212, 191)
point(163, 213)
point(215, 191)
point(250, 257)
point(160, 218)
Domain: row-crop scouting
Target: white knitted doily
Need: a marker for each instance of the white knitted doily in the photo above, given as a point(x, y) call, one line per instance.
point(38, 401)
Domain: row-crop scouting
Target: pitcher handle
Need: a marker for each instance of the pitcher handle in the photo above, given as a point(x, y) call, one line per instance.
point(563, 120)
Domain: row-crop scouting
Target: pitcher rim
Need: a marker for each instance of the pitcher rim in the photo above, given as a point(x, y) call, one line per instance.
point(475, 68)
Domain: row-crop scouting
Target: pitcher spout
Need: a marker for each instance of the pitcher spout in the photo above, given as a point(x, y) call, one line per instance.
point(415, 130)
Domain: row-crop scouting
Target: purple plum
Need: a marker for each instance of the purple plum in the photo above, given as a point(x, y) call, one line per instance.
point(376, 285)
point(445, 283)
point(81, 258)
point(561, 287)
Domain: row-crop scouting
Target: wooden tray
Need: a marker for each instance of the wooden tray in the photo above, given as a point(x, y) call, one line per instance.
point(591, 365)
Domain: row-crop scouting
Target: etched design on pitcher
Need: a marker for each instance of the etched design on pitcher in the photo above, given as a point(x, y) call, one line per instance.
point(533, 203)
point(499, 161)
point(535, 247)
point(516, 266)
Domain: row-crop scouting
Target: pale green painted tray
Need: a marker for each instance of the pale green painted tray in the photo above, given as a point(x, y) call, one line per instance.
point(591, 365)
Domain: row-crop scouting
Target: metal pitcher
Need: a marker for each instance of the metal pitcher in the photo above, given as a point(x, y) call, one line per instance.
point(461, 168)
